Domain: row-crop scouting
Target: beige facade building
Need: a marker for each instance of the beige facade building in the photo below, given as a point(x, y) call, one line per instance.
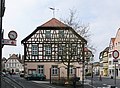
point(53, 46)
point(107, 64)
point(14, 63)
point(104, 62)
point(114, 45)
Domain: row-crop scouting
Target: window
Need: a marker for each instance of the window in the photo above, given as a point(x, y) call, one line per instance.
point(74, 49)
point(110, 55)
point(35, 49)
point(71, 70)
point(31, 71)
point(47, 34)
point(54, 70)
point(48, 49)
point(61, 33)
point(40, 69)
point(60, 50)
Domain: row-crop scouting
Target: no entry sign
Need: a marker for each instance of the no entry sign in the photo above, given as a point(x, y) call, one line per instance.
point(115, 54)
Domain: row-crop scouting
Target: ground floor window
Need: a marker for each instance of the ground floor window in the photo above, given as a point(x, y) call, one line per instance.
point(54, 70)
point(41, 69)
point(71, 70)
point(31, 71)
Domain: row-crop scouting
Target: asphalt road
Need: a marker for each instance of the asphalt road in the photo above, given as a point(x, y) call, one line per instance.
point(39, 84)
point(106, 82)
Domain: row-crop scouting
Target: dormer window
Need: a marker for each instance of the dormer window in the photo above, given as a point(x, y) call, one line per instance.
point(47, 34)
point(61, 33)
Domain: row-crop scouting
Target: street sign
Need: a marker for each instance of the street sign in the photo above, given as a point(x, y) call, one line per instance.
point(115, 60)
point(8, 42)
point(115, 54)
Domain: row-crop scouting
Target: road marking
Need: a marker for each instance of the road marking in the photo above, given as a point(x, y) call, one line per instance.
point(46, 86)
point(91, 86)
point(104, 84)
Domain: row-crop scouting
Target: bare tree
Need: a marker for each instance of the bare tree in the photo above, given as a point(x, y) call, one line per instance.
point(82, 30)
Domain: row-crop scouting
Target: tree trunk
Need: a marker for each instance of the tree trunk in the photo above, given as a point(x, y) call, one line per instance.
point(68, 72)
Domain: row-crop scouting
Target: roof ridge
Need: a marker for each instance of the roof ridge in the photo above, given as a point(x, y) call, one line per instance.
point(54, 23)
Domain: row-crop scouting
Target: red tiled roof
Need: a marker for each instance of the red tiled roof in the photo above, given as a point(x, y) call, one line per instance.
point(113, 39)
point(54, 23)
point(86, 49)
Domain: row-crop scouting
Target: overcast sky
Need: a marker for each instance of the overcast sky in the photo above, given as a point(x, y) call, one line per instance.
point(24, 16)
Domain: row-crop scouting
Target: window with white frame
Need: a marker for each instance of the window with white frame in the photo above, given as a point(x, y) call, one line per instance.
point(54, 70)
point(48, 49)
point(47, 34)
point(41, 69)
point(71, 70)
point(34, 49)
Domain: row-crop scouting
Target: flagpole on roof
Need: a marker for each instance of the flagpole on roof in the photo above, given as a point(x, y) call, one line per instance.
point(53, 9)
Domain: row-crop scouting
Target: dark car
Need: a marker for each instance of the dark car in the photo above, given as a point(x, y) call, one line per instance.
point(21, 74)
point(35, 76)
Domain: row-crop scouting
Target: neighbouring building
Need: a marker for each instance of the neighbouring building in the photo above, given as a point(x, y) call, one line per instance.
point(3, 63)
point(88, 61)
point(51, 46)
point(104, 62)
point(96, 68)
point(110, 61)
point(114, 45)
point(14, 63)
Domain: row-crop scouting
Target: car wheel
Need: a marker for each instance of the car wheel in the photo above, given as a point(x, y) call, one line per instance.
point(41, 79)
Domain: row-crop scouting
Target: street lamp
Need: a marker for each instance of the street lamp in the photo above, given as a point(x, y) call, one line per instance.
point(92, 69)
point(2, 10)
point(89, 58)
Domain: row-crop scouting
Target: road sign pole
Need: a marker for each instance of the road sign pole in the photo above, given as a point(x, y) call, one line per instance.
point(0, 44)
point(115, 73)
point(115, 56)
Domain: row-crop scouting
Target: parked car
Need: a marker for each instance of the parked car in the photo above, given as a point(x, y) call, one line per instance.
point(35, 76)
point(22, 74)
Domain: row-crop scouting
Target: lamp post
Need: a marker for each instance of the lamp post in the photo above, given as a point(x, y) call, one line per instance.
point(2, 10)
point(89, 59)
point(92, 69)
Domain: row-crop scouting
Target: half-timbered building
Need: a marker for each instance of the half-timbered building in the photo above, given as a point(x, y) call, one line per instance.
point(51, 46)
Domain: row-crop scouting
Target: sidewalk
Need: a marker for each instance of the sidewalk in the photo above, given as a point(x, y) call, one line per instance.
point(110, 77)
point(78, 85)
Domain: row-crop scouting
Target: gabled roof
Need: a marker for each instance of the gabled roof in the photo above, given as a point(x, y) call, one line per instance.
point(118, 32)
point(113, 39)
point(106, 49)
point(14, 56)
point(54, 23)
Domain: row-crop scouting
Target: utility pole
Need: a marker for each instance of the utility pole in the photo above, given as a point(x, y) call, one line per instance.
point(83, 62)
point(2, 10)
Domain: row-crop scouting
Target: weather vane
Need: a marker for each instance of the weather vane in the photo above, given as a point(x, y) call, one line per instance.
point(53, 9)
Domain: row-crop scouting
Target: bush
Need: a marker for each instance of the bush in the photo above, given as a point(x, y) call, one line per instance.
point(88, 74)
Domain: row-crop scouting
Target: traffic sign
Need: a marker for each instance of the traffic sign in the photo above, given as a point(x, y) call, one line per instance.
point(115, 60)
point(8, 42)
point(115, 54)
